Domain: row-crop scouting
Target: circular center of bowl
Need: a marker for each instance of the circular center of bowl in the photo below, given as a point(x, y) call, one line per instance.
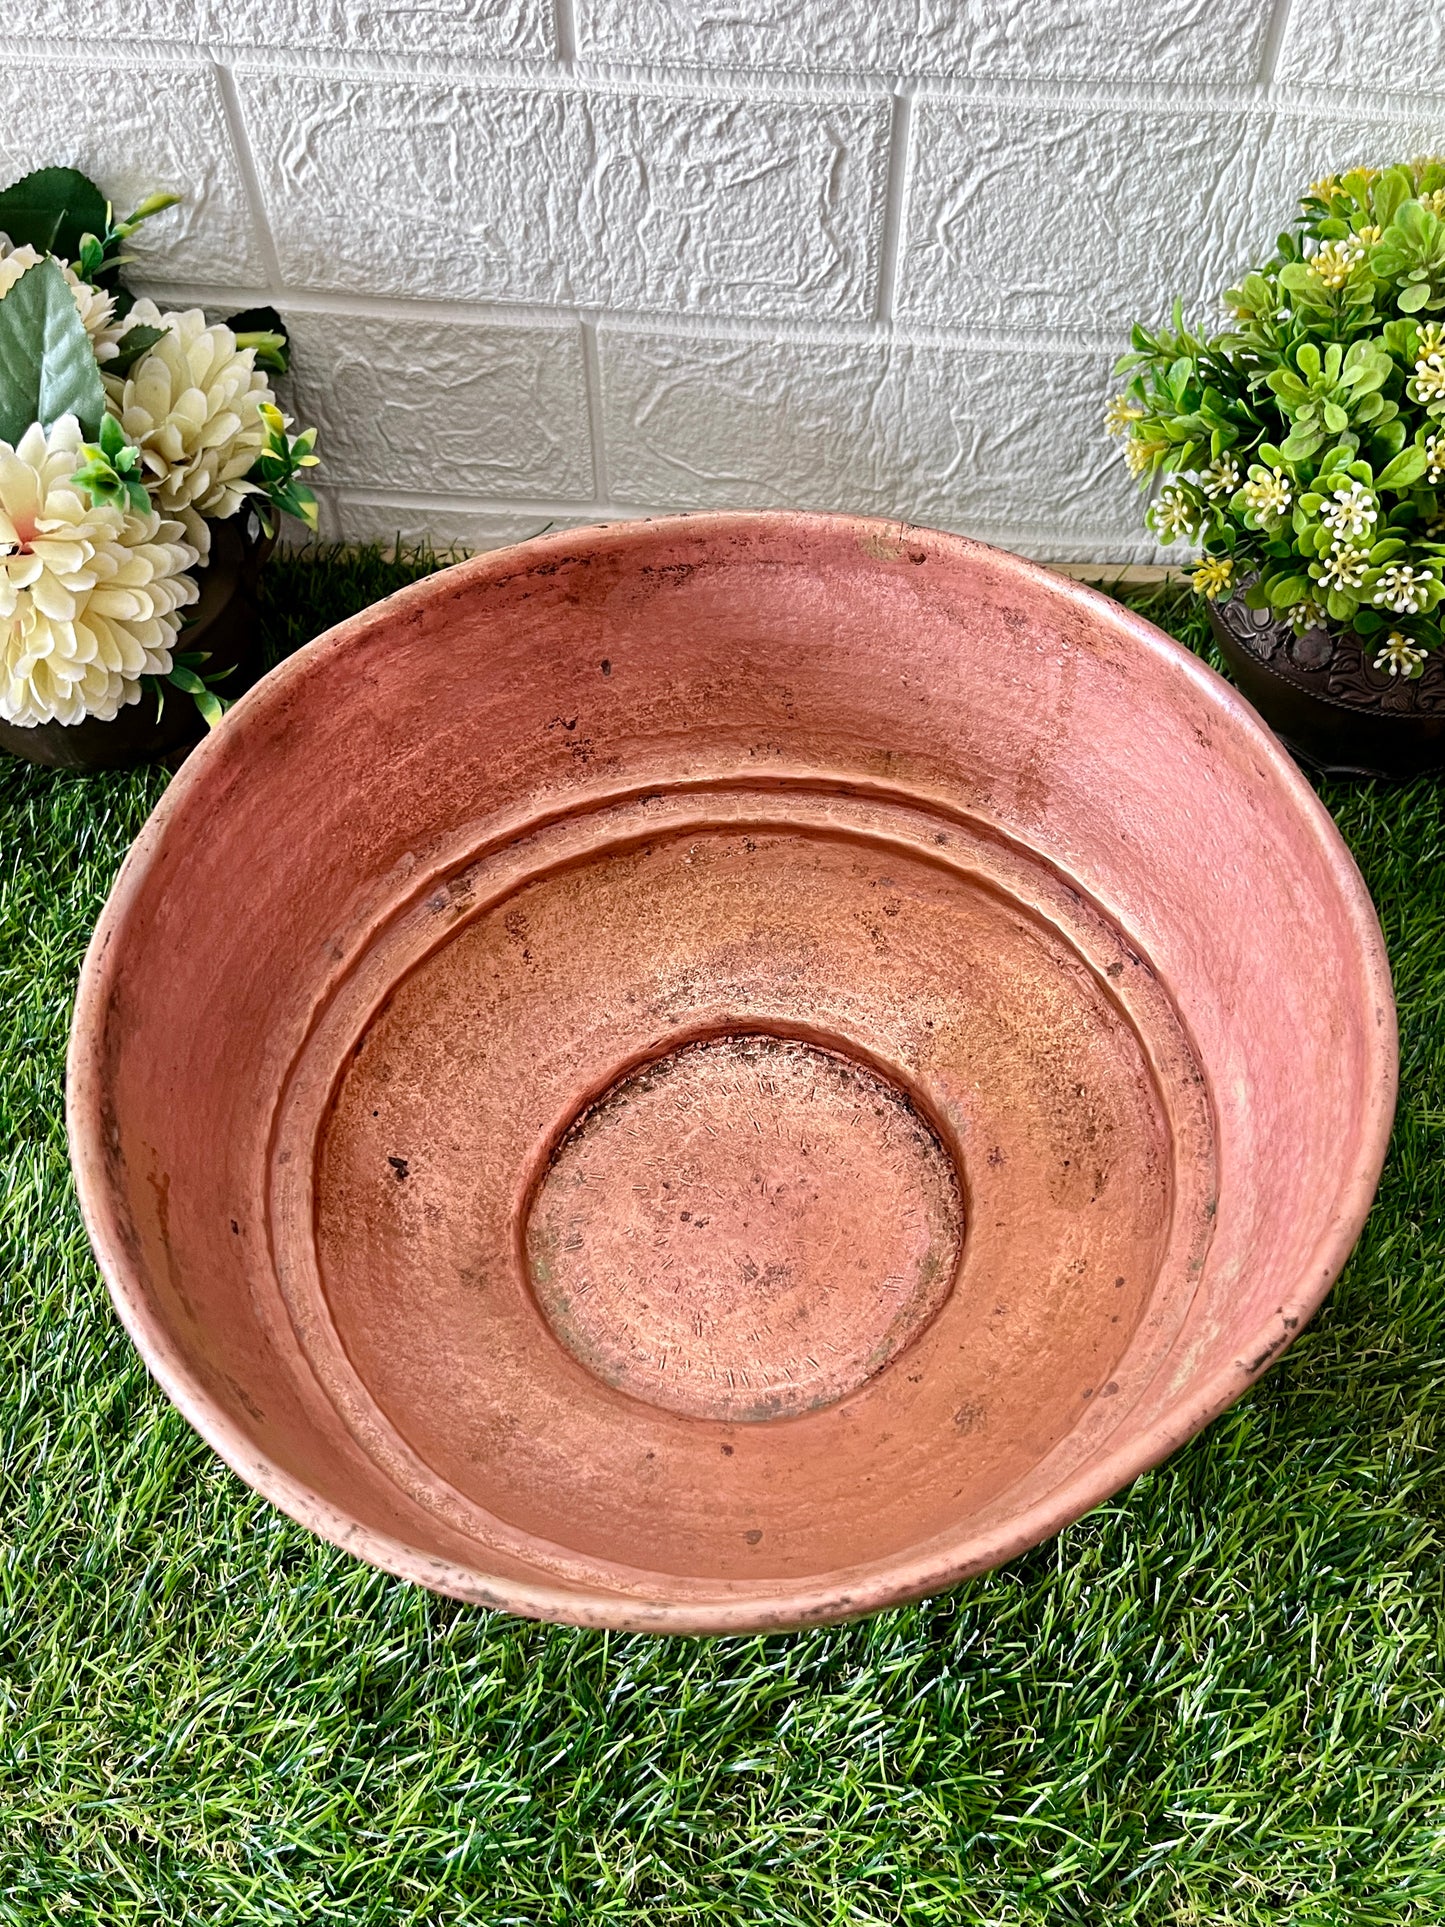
point(746, 1228)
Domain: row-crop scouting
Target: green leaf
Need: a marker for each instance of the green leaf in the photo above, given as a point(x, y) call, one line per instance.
point(132, 345)
point(1386, 442)
point(53, 209)
point(1288, 386)
point(186, 679)
point(1336, 420)
point(1406, 467)
point(1394, 187)
point(1411, 299)
point(1286, 590)
point(47, 365)
point(1304, 285)
point(265, 331)
point(210, 706)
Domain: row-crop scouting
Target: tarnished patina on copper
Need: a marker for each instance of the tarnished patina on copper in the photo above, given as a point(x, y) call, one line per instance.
point(725, 1072)
point(745, 1228)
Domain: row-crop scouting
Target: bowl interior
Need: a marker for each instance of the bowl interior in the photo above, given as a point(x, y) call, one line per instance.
point(725, 1072)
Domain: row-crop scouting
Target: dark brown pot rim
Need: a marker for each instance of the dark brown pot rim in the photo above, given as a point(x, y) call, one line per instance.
point(1301, 687)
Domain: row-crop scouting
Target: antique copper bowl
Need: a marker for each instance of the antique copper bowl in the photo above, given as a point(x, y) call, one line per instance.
point(723, 1073)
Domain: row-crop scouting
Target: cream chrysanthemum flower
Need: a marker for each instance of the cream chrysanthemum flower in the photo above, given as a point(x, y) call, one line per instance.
point(192, 405)
point(95, 307)
point(90, 596)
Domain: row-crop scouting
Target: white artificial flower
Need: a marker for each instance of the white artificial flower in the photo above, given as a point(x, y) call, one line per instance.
point(1176, 513)
point(95, 307)
point(90, 596)
point(1333, 262)
point(1435, 458)
point(1221, 477)
point(1399, 656)
point(1351, 514)
point(1345, 567)
point(1402, 589)
point(1268, 493)
point(1428, 384)
point(192, 405)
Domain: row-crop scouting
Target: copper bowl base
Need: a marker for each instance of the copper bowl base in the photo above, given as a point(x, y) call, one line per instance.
point(666, 1140)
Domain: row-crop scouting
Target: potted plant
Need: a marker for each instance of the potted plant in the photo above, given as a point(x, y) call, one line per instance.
point(1305, 450)
point(142, 460)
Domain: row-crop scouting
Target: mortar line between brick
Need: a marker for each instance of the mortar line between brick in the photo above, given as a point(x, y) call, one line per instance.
point(361, 496)
point(1274, 43)
point(895, 205)
point(776, 329)
point(564, 25)
point(250, 177)
point(744, 85)
point(592, 380)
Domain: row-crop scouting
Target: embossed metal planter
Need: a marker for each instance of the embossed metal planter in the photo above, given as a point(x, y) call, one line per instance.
point(1323, 695)
point(726, 1072)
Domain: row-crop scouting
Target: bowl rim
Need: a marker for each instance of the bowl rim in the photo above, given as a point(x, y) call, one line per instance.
point(736, 1608)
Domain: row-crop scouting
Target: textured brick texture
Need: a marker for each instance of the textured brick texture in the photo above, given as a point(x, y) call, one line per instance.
point(547, 263)
point(1027, 39)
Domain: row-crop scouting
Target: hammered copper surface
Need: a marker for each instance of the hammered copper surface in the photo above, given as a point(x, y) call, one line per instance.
point(725, 1072)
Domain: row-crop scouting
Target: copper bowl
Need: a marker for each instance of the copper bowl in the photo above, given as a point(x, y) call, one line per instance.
point(727, 1072)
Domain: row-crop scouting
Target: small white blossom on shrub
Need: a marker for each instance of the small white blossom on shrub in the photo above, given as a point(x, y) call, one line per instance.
point(1307, 613)
point(1352, 512)
point(1268, 494)
point(1333, 263)
point(1403, 590)
point(1345, 567)
point(1175, 514)
point(1400, 656)
point(90, 595)
point(1220, 478)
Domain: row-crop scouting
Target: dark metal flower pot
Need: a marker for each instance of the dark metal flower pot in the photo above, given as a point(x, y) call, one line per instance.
point(222, 622)
point(1322, 695)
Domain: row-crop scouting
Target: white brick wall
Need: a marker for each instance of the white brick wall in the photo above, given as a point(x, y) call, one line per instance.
point(550, 261)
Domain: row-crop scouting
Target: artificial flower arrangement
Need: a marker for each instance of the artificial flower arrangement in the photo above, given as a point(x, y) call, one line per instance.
point(125, 431)
point(1306, 441)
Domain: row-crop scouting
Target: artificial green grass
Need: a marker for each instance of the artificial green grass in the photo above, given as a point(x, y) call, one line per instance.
point(1218, 1699)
